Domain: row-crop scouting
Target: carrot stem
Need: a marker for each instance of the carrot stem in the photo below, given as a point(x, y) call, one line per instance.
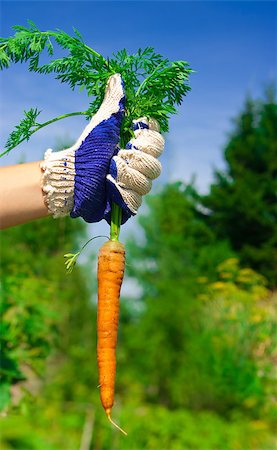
point(115, 222)
point(116, 214)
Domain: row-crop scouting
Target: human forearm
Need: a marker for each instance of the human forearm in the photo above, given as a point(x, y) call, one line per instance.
point(21, 197)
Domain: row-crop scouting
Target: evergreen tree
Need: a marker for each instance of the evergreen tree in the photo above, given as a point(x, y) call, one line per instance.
point(242, 200)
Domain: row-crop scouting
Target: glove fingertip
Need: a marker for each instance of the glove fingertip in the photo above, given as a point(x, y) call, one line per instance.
point(140, 124)
point(114, 196)
point(144, 123)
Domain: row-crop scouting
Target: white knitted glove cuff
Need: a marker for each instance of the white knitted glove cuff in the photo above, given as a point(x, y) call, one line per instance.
point(58, 181)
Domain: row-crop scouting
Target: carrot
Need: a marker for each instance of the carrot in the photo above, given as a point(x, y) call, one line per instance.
point(111, 264)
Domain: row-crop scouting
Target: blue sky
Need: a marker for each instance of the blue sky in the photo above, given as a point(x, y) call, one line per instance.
point(231, 45)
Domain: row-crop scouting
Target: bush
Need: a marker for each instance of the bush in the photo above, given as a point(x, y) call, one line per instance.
point(148, 427)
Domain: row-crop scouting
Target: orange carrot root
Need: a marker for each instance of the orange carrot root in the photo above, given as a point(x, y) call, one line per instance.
point(111, 264)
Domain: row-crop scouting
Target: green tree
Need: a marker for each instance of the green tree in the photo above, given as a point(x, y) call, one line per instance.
point(183, 340)
point(43, 310)
point(242, 200)
point(177, 252)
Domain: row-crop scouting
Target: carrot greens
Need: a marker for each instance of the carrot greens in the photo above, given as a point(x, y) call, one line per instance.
point(153, 84)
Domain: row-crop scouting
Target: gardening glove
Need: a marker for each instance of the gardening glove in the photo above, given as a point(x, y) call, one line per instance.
point(133, 169)
point(74, 180)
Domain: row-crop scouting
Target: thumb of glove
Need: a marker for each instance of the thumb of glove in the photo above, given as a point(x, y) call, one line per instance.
point(74, 179)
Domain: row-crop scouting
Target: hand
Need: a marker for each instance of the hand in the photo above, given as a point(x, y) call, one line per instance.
point(84, 179)
point(133, 169)
point(74, 179)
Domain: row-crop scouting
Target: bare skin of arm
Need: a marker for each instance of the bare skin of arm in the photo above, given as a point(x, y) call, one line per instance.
point(21, 197)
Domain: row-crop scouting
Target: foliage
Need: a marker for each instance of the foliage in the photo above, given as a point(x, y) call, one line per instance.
point(153, 84)
point(149, 427)
point(242, 200)
point(174, 230)
point(25, 128)
point(34, 295)
point(25, 329)
point(239, 331)
point(204, 378)
point(209, 337)
point(28, 126)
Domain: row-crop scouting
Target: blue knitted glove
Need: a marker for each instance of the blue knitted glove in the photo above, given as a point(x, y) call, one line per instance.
point(74, 180)
point(86, 178)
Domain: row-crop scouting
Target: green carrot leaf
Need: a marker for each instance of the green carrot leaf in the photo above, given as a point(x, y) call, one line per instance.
point(154, 86)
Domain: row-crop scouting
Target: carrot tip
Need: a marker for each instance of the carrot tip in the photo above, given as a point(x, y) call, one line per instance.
point(115, 424)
